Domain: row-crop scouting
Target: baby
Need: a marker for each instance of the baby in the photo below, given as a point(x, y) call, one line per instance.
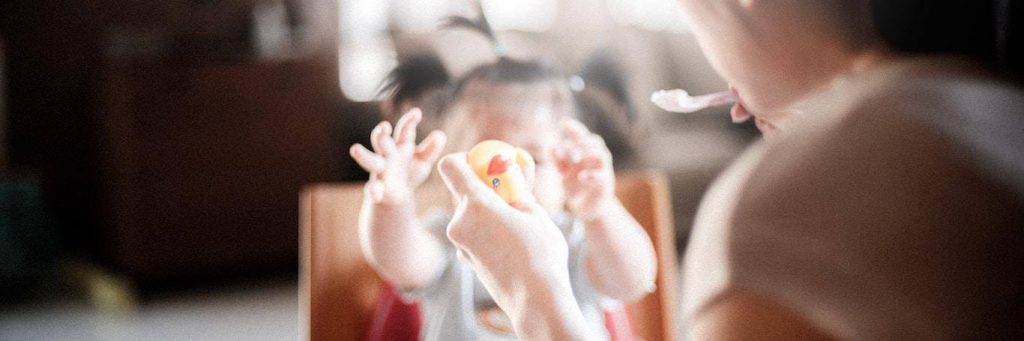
point(529, 105)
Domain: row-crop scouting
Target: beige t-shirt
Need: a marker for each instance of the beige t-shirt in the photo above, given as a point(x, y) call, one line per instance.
point(890, 209)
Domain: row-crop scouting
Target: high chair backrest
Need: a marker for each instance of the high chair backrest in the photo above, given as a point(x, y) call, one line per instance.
point(338, 289)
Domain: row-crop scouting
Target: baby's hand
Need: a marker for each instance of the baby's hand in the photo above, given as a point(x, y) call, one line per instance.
point(586, 167)
point(397, 165)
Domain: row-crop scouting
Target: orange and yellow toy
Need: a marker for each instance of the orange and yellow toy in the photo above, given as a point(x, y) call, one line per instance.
point(502, 167)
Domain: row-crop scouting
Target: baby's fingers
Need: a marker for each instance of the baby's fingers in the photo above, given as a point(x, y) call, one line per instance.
point(405, 129)
point(568, 157)
point(575, 131)
point(375, 189)
point(381, 140)
point(560, 158)
point(371, 162)
point(590, 175)
point(590, 162)
point(432, 146)
point(579, 137)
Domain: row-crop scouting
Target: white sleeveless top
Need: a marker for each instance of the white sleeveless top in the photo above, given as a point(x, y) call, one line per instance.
point(890, 209)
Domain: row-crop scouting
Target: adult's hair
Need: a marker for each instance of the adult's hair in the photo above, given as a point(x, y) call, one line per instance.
point(987, 30)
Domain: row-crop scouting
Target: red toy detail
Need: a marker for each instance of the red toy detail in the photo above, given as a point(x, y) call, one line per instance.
point(499, 164)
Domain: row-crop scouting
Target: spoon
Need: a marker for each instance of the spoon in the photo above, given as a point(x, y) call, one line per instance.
point(680, 101)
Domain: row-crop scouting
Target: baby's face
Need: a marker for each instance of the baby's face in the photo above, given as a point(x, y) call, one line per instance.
point(538, 134)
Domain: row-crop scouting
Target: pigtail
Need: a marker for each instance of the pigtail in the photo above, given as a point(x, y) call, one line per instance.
point(419, 80)
point(482, 26)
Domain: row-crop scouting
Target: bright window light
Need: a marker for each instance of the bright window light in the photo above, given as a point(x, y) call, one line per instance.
point(362, 18)
point(366, 54)
point(419, 16)
point(522, 15)
point(364, 66)
point(654, 15)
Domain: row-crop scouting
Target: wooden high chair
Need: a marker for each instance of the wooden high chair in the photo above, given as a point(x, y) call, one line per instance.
point(338, 289)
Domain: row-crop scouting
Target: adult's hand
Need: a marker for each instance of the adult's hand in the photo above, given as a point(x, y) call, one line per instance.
point(517, 252)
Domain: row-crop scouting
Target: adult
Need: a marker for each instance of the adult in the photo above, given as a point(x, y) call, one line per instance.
point(887, 203)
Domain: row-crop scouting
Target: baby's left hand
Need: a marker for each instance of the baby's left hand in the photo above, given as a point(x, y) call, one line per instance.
point(586, 167)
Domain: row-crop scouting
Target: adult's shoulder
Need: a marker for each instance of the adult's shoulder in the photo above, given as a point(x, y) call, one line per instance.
point(914, 142)
point(876, 150)
point(897, 132)
point(859, 219)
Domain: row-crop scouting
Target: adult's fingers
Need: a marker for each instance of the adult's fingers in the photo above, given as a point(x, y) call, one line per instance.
point(432, 146)
point(460, 179)
point(528, 203)
point(405, 129)
point(371, 162)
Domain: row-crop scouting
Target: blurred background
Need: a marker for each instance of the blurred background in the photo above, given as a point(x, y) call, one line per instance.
point(153, 151)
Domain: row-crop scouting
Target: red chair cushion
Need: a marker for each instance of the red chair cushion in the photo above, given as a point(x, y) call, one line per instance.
point(393, 319)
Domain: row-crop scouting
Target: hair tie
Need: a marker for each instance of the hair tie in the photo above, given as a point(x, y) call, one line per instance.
point(500, 50)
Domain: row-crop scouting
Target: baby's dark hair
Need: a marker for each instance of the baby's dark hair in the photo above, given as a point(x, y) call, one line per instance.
point(604, 105)
point(508, 70)
point(414, 76)
point(421, 80)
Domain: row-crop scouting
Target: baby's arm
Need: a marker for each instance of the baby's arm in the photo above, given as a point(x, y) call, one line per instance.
point(620, 258)
point(395, 244)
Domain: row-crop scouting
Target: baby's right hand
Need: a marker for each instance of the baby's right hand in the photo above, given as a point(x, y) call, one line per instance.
point(397, 165)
